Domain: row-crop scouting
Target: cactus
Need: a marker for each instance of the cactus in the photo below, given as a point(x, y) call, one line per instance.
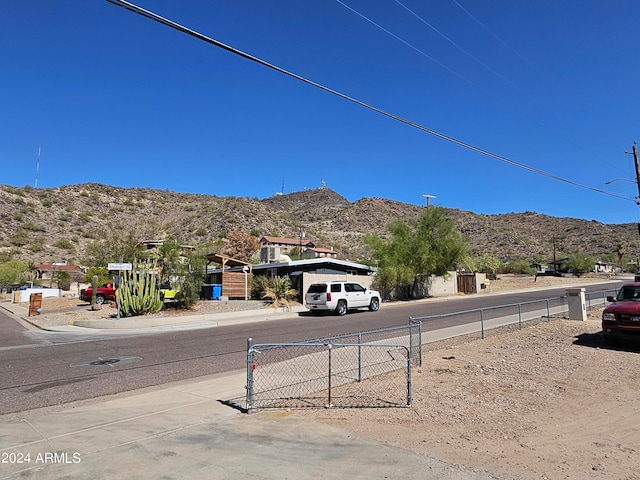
point(139, 293)
point(94, 292)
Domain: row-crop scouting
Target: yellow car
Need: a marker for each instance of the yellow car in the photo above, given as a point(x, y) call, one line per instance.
point(168, 293)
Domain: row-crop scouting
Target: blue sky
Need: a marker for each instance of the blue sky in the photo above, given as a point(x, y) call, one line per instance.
point(111, 97)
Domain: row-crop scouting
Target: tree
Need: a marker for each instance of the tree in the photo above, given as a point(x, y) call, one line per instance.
point(241, 246)
point(190, 278)
point(31, 269)
point(485, 263)
point(169, 259)
point(580, 264)
point(12, 273)
point(620, 252)
point(62, 279)
point(101, 272)
point(110, 249)
point(428, 246)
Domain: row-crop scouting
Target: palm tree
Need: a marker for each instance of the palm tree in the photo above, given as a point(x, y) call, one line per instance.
point(620, 252)
point(280, 292)
point(31, 269)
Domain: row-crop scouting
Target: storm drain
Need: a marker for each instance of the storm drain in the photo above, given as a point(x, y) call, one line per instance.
point(107, 362)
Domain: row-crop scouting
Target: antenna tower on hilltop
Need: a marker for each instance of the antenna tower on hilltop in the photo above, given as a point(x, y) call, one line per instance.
point(37, 168)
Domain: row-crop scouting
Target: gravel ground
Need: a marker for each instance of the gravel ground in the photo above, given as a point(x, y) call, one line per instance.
point(550, 401)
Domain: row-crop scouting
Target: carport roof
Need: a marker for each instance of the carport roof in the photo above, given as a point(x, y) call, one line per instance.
point(226, 260)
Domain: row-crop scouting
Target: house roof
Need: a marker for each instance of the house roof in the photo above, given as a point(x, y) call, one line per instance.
point(227, 260)
point(311, 263)
point(283, 240)
point(49, 267)
point(315, 261)
point(322, 250)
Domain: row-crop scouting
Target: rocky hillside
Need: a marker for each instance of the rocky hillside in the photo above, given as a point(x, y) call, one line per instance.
point(48, 225)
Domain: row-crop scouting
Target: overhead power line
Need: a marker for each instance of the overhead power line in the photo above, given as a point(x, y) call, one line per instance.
point(403, 41)
point(469, 54)
point(169, 23)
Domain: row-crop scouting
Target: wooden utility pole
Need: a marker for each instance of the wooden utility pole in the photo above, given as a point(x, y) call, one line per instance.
point(635, 160)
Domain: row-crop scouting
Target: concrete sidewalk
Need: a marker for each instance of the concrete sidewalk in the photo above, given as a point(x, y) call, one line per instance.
point(185, 430)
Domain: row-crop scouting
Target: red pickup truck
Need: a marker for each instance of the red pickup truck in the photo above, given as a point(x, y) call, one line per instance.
point(103, 294)
point(621, 319)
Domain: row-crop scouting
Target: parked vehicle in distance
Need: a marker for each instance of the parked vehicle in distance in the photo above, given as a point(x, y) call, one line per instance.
point(168, 293)
point(340, 296)
point(103, 294)
point(621, 319)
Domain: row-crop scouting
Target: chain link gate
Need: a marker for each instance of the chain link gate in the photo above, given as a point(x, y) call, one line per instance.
point(312, 375)
point(364, 369)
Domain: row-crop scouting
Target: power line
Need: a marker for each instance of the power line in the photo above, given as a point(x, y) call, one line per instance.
point(452, 42)
point(169, 23)
point(403, 41)
point(505, 44)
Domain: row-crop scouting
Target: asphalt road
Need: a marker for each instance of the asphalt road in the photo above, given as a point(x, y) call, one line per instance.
point(39, 369)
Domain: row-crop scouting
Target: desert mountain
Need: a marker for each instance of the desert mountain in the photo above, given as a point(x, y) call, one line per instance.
point(46, 225)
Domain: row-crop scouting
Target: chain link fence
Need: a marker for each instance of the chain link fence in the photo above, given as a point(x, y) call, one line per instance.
point(336, 371)
point(372, 368)
point(483, 320)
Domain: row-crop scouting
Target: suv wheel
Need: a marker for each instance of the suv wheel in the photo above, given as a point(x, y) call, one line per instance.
point(374, 305)
point(341, 309)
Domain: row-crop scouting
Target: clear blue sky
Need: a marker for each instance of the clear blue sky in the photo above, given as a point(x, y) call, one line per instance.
point(114, 98)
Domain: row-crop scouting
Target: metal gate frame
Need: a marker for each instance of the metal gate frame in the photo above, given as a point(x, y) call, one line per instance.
point(300, 381)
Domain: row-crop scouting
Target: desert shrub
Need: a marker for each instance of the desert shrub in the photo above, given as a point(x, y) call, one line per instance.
point(36, 246)
point(31, 227)
point(518, 266)
point(259, 285)
point(15, 191)
point(64, 244)
point(19, 240)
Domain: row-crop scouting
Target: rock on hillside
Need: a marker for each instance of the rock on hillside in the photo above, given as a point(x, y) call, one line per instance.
point(52, 224)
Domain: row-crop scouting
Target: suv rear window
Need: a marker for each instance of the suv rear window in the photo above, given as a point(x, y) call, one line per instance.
point(317, 288)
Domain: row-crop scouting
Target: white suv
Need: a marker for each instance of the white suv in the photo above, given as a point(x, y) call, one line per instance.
point(340, 296)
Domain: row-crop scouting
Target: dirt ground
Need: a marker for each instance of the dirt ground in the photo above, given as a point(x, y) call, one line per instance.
point(550, 401)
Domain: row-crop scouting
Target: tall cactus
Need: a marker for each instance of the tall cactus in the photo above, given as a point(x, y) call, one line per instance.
point(94, 292)
point(139, 293)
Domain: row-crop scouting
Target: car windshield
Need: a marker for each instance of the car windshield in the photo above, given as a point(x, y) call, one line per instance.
point(317, 288)
point(629, 294)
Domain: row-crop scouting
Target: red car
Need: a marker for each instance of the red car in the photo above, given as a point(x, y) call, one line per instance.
point(621, 319)
point(103, 294)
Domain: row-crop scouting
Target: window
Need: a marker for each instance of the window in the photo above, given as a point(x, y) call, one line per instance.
point(336, 287)
point(317, 288)
point(629, 293)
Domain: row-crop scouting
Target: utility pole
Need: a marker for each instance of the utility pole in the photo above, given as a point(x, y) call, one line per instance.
point(637, 165)
point(635, 160)
point(427, 197)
